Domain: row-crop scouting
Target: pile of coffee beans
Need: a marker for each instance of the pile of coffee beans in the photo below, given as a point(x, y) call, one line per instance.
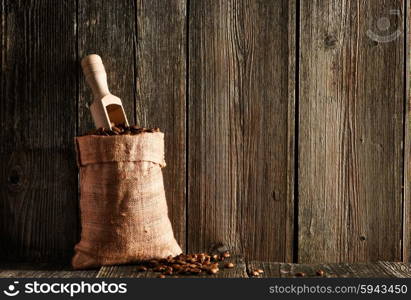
point(187, 264)
point(121, 129)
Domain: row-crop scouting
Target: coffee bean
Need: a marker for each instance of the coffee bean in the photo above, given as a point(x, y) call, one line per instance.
point(116, 129)
point(188, 271)
point(213, 271)
point(153, 263)
point(181, 262)
point(226, 254)
point(255, 273)
point(161, 276)
point(320, 273)
point(168, 272)
point(179, 271)
point(204, 268)
point(201, 257)
point(159, 269)
point(215, 257)
point(141, 269)
point(229, 265)
point(261, 271)
point(300, 274)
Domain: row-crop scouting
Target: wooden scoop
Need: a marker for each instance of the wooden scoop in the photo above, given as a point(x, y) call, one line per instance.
point(106, 109)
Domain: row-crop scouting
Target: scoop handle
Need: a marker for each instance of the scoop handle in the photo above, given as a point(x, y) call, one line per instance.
point(96, 75)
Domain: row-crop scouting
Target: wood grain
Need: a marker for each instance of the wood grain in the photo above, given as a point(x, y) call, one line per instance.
point(38, 201)
point(161, 93)
point(341, 270)
point(42, 270)
point(351, 133)
point(241, 116)
point(396, 269)
point(107, 28)
point(271, 270)
point(406, 230)
point(123, 271)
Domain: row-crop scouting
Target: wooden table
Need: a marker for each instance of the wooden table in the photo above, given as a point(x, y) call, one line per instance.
point(242, 269)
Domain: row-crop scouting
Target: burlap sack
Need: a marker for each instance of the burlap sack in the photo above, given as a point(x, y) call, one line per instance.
point(123, 205)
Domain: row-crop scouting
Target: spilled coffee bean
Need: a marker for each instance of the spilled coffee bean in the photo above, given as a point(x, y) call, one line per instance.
point(229, 265)
point(141, 269)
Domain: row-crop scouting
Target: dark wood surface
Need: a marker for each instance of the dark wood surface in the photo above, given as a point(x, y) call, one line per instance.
point(107, 28)
point(240, 149)
point(38, 193)
point(406, 236)
point(43, 270)
point(227, 81)
point(351, 133)
point(242, 269)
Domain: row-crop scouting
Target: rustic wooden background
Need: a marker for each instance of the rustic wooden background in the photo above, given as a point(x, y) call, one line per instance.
point(287, 126)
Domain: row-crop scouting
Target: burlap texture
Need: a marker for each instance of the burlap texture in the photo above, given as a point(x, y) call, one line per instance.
point(123, 205)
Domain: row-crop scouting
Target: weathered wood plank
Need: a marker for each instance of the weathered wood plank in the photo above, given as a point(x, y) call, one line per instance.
point(123, 271)
point(42, 270)
point(406, 235)
point(107, 28)
point(397, 269)
point(342, 270)
point(351, 132)
point(241, 118)
point(271, 270)
point(161, 93)
point(38, 202)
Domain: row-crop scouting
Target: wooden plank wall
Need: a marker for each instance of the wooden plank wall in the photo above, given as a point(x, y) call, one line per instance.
point(286, 124)
point(241, 127)
point(38, 194)
point(351, 132)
